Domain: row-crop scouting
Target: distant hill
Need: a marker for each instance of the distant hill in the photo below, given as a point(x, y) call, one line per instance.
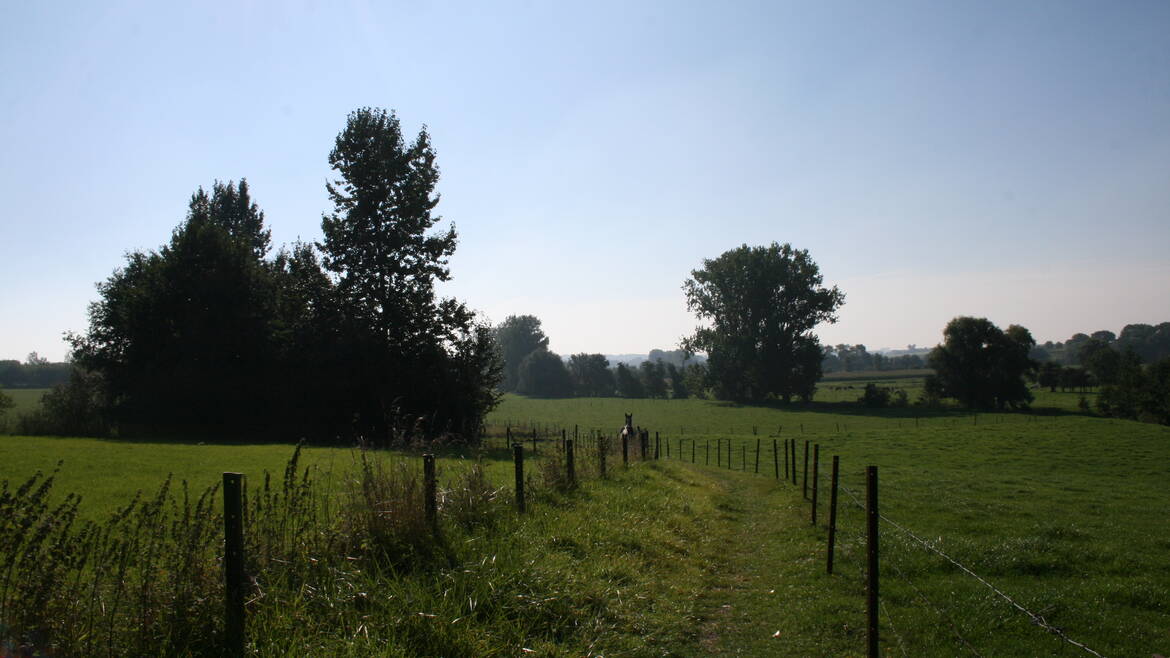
point(677, 357)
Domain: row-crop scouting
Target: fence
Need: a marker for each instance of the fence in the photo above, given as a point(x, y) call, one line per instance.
point(874, 520)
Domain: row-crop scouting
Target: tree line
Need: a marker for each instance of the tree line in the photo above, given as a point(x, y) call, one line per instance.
point(35, 372)
point(855, 358)
point(215, 334)
point(530, 368)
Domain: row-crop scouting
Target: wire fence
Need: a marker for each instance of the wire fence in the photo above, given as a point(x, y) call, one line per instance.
point(851, 537)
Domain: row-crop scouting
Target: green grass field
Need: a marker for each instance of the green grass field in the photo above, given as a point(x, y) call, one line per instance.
point(1065, 513)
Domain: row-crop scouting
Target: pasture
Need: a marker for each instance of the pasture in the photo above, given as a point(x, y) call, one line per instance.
point(1063, 513)
point(1067, 513)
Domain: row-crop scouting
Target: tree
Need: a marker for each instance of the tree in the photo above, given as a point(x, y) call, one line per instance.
point(543, 374)
point(1049, 375)
point(6, 403)
point(695, 380)
point(762, 304)
point(185, 337)
point(379, 245)
point(653, 379)
point(1101, 360)
point(518, 336)
point(1123, 396)
point(678, 383)
point(628, 384)
point(983, 366)
point(591, 375)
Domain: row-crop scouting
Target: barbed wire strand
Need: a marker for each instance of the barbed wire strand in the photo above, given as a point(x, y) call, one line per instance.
point(1035, 618)
point(938, 610)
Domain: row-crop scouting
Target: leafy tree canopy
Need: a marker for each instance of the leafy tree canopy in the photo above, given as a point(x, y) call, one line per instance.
point(543, 374)
point(762, 304)
point(983, 366)
point(591, 375)
point(518, 336)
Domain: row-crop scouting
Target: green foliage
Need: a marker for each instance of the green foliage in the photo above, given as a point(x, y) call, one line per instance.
point(36, 372)
point(209, 336)
point(184, 337)
point(518, 336)
point(695, 380)
point(983, 366)
point(397, 332)
point(678, 382)
point(1100, 360)
point(628, 383)
point(653, 376)
point(6, 403)
point(75, 408)
point(762, 303)
point(1137, 392)
point(875, 396)
point(543, 374)
point(591, 375)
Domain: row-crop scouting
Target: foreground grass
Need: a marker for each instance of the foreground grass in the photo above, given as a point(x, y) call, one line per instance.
point(1065, 513)
point(612, 567)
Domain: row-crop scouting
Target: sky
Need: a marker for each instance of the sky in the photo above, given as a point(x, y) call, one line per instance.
point(1008, 160)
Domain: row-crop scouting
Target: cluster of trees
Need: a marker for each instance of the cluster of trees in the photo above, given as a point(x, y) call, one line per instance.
point(1150, 342)
point(35, 372)
point(212, 333)
point(761, 305)
point(981, 365)
point(855, 358)
point(530, 368)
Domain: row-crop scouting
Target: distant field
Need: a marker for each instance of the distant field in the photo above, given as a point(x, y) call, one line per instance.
point(876, 375)
point(25, 399)
point(108, 473)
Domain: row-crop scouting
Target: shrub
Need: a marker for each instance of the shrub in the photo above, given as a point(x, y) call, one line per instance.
point(875, 396)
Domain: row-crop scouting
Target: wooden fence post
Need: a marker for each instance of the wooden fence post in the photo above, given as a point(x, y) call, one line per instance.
point(871, 551)
point(816, 470)
point(692, 451)
point(785, 460)
point(743, 456)
point(793, 445)
point(570, 463)
point(833, 512)
point(233, 561)
point(430, 489)
point(518, 460)
point(775, 459)
point(625, 450)
point(805, 483)
point(757, 455)
point(657, 446)
point(601, 450)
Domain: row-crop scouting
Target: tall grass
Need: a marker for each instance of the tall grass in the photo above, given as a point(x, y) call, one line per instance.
point(337, 563)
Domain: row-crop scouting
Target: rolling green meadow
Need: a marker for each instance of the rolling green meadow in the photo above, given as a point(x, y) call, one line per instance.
point(1061, 512)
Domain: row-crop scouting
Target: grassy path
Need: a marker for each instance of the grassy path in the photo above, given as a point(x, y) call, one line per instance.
point(768, 594)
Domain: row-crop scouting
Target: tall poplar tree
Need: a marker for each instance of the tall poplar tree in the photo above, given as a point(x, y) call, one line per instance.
point(410, 348)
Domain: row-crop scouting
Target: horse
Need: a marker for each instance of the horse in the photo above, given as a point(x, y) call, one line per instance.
point(627, 431)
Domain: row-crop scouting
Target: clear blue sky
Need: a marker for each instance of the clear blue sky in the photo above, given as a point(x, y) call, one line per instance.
point(1001, 159)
